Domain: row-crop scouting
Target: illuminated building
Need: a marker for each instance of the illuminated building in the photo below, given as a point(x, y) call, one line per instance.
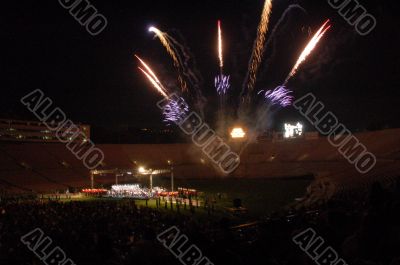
point(293, 131)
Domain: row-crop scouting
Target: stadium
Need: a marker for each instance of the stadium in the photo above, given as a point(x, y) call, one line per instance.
point(49, 166)
point(199, 133)
point(310, 171)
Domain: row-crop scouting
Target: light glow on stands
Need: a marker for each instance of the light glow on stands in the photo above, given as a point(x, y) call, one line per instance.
point(94, 191)
point(142, 170)
point(292, 131)
point(169, 194)
point(186, 191)
point(238, 133)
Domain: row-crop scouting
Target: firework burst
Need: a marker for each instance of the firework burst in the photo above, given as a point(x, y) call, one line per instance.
point(279, 96)
point(222, 84)
point(190, 81)
point(175, 111)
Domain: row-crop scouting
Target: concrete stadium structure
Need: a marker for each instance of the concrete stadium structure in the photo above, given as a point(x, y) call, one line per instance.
point(48, 167)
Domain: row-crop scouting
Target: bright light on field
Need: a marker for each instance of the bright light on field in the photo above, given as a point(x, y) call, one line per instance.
point(142, 170)
point(293, 130)
point(238, 133)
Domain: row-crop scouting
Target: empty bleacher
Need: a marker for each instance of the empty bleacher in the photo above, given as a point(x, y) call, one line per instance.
point(51, 166)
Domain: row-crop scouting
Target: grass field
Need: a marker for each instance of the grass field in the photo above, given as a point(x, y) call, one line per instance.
point(259, 196)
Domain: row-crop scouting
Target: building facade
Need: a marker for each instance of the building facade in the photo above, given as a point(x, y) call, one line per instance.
point(34, 131)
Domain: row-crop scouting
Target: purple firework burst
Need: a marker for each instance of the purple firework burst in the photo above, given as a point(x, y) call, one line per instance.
point(175, 111)
point(279, 96)
point(222, 84)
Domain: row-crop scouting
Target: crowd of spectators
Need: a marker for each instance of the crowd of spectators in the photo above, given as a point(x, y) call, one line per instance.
point(119, 232)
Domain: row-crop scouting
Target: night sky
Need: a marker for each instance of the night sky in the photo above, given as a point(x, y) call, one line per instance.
point(94, 79)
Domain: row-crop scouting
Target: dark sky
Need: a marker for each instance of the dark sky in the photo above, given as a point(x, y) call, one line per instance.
point(95, 80)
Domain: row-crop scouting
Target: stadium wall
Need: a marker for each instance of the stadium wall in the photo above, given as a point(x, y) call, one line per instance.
point(48, 166)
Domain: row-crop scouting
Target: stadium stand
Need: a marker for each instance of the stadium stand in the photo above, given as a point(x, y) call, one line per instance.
point(51, 166)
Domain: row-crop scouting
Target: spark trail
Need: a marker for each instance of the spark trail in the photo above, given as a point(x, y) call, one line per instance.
point(275, 30)
point(220, 47)
point(176, 109)
point(309, 48)
point(151, 76)
point(258, 49)
point(164, 39)
point(222, 82)
point(189, 74)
